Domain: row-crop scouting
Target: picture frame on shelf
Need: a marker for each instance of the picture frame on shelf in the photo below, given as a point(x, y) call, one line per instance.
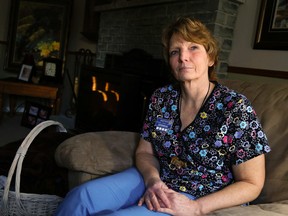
point(272, 28)
point(25, 73)
point(52, 70)
point(39, 27)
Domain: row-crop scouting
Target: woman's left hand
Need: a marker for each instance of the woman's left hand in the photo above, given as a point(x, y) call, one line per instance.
point(181, 205)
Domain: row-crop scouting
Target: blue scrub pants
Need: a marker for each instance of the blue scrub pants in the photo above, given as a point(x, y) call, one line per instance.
point(116, 194)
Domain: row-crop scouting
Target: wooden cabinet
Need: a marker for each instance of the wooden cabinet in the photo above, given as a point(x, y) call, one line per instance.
point(13, 88)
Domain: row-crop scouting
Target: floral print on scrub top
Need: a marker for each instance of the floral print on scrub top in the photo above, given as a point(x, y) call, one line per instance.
point(198, 160)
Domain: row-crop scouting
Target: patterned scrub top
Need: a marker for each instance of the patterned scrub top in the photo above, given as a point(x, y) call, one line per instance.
point(198, 160)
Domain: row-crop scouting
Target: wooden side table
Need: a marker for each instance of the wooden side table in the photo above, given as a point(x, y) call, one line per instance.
point(13, 87)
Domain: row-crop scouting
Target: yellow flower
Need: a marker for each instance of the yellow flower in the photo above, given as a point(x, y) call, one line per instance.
point(46, 48)
point(45, 52)
point(56, 45)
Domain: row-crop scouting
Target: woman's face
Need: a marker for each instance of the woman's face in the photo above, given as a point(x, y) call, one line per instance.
point(188, 61)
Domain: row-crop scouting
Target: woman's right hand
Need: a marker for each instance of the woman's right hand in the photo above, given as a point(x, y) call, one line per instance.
point(155, 196)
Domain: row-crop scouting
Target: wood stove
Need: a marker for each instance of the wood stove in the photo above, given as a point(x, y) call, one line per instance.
point(116, 97)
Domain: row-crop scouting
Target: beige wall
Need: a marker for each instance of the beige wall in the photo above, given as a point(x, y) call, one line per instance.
point(242, 54)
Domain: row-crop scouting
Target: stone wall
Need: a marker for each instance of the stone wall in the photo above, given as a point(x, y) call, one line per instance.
point(140, 27)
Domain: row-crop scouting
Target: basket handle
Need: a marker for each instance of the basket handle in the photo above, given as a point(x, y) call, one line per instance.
point(19, 157)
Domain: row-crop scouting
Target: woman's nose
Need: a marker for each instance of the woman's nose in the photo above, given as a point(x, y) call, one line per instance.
point(183, 56)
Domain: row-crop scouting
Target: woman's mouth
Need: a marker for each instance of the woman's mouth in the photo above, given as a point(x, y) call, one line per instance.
point(183, 68)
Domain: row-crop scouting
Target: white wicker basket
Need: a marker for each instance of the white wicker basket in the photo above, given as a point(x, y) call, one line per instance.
point(16, 203)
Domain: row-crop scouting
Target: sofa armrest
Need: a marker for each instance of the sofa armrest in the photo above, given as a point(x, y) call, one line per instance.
point(98, 153)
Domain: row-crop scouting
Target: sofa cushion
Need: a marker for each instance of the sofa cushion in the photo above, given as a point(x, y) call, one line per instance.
point(270, 102)
point(272, 209)
point(98, 153)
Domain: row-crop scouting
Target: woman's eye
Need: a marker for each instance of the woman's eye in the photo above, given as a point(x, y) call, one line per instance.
point(193, 47)
point(173, 52)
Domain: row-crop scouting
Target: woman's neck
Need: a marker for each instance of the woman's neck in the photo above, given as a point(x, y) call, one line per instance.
point(191, 101)
point(195, 94)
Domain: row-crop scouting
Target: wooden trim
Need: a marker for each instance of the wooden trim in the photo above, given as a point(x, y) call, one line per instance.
point(258, 72)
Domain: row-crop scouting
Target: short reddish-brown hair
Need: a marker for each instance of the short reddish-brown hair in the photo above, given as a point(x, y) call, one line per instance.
point(195, 31)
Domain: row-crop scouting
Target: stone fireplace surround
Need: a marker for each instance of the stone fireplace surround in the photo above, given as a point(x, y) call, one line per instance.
point(123, 29)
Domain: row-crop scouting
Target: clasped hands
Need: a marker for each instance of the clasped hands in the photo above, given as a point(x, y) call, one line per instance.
point(158, 197)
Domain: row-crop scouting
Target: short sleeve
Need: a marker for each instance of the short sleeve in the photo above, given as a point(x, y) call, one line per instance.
point(148, 120)
point(249, 139)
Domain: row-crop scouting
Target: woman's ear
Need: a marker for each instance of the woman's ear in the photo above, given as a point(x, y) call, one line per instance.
point(211, 63)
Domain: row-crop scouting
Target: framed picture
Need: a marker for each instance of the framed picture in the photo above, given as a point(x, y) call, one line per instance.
point(25, 73)
point(38, 27)
point(34, 114)
point(272, 29)
point(52, 70)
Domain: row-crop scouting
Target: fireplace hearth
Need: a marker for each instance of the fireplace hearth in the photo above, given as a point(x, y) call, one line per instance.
point(116, 97)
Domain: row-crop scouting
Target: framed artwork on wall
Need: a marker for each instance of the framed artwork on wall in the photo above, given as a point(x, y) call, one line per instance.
point(37, 27)
point(272, 29)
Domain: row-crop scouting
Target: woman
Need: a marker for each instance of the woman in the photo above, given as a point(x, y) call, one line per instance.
point(201, 148)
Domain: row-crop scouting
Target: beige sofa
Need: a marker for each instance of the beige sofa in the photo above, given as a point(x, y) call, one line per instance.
point(94, 154)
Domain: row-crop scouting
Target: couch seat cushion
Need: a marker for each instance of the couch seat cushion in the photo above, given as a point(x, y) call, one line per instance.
point(269, 209)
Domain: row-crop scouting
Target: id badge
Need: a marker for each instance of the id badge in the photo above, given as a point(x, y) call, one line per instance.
point(163, 124)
